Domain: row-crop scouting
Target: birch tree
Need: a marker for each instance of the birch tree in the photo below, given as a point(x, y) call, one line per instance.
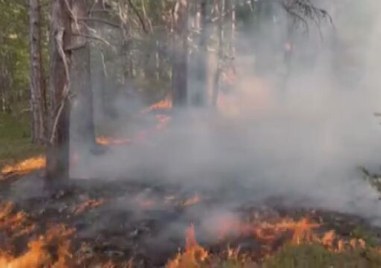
point(37, 79)
point(180, 54)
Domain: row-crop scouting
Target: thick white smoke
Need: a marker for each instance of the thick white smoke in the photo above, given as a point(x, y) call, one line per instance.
point(302, 139)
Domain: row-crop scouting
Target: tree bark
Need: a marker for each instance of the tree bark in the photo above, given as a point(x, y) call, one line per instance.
point(37, 80)
point(180, 55)
point(98, 66)
point(6, 82)
point(220, 52)
point(230, 33)
point(59, 85)
point(200, 89)
point(82, 114)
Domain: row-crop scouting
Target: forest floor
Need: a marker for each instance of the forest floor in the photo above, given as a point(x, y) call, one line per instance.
point(15, 143)
point(130, 223)
point(127, 223)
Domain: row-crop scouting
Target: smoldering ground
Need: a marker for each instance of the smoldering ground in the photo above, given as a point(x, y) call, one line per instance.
point(302, 138)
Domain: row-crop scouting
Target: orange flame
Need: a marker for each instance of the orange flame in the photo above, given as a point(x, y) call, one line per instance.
point(285, 231)
point(14, 223)
point(39, 162)
point(25, 166)
point(40, 253)
point(165, 104)
point(87, 205)
point(193, 255)
point(103, 140)
point(302, 230)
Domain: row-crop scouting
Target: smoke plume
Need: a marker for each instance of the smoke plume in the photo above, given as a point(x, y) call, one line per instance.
point(298, 132)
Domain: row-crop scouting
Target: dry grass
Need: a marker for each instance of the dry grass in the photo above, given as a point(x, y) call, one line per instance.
point(15, 141)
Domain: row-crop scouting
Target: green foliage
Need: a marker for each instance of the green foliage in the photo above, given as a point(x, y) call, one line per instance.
point(14, 57)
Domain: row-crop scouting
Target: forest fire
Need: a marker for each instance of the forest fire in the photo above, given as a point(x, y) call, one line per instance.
point(16, 225)
point(39, 162)
point(269, 236)
point(162, 122)
point(248, 240)
point(193, 254)
point(14, 222)
point(49, 250)
point(25, 166)
point(220, 121)
point(103, 140)
point(165, 104)
point(88, 204)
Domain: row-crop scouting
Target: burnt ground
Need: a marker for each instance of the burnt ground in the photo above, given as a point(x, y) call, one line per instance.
point(120, 220)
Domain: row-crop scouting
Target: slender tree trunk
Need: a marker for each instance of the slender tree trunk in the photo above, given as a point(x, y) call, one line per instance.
point(287, 54)
point(220, 52)
point(230, 33)
point(37, 80)
point(200, 89)
point(59, 121)
point(180, 56)
point(233, 29)
point(127, 61)
point(157, 61)
point(5, 87)
point(82, 120)
point(98, 67)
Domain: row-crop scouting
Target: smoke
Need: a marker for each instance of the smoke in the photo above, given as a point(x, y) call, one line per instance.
point(299, 133)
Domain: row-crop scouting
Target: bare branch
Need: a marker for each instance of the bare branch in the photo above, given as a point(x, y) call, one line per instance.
point(304, 9)
point(66, 90)
point(139, 16)
point(90, 36)
point(100, 21)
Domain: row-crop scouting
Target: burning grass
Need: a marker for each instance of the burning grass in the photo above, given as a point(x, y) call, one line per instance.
point(25, 166)
point(88, 204)
point(298, 245)
point(103, 140)
point(15, 141)
point(13, 224)
point(49, 250)
point(251, 237)
point(165, 104)
point(17, 149)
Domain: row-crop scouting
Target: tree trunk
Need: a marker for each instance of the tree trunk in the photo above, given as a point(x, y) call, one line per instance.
point(157, 61)
point(127, 61)
point(180, 55)
point(230, 33)
point(98, 66)
point(59, 121)
point(200, 89)
point(82, 115)
point(5, 87)
point(37, 81)
point(220, 52)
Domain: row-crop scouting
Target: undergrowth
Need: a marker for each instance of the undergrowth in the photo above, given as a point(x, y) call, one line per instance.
point(15, 139)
